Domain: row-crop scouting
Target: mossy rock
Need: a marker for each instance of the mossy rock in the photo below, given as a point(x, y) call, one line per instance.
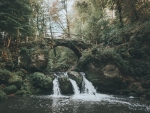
point(10, 89)
point(15, 80)
point(65, 86)
point(3, 95)
point(41, 81)
point(4, 75)
point(20, 73)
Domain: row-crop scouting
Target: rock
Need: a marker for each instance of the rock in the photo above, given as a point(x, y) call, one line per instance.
point(10, 89)
point(4, 76)
point(103, 80)
point(111, 71)
point(2, 95)
point(38, 61)
point(15, 80)
point(21, 72)
point(65, 86)
point(75, 76)
point(41, 81)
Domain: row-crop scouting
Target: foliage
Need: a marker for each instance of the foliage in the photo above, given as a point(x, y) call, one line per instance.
point(2, 95)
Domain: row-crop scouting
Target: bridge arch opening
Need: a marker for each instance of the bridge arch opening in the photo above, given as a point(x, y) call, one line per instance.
point(62, 58)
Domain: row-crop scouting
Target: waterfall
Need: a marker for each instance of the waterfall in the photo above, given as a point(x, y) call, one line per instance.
point(75, 87)
point(56, 90)
point(87, 87)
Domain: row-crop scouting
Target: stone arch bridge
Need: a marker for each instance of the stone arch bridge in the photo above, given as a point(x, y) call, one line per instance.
point(76, 46)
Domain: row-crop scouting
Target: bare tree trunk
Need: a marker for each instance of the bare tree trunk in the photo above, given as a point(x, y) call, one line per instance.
point(134, 10)
point(9, 40)
point(54, 49)
point(17, 40)
point(120, 11)
point(67, 19)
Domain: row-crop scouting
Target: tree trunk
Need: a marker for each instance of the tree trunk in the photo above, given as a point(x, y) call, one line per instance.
point(134, 10)
point(120, 11)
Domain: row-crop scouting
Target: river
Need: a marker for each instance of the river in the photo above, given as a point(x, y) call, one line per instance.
point(99, 103)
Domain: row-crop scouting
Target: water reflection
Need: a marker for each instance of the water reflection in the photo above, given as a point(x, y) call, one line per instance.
point(74, 104)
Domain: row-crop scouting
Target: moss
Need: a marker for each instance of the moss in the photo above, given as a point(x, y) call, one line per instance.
point(2, 95)
point(20, 73)
point(41, 81)
point(64, 59)
point(10, 89)
point(15, 80)
point(102, 57)
point(4, 75)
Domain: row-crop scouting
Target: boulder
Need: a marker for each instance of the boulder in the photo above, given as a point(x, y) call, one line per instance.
point(10, 89)
point(65, 85)
point(41, 81)
point(4, 76)
point(75, 76)
point(15, 80)
point(107, 79)
point(111, 71)
point(104, 67)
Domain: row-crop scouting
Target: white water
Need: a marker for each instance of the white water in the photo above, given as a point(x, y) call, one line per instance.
point(56, 90)
point(87, 87)
point(75, 87)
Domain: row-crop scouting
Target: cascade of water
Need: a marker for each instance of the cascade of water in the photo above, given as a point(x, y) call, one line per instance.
point(56, 90)
point(87, 87)
point(75, 87)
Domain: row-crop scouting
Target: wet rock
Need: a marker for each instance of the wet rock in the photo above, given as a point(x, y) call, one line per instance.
point(15, 80)
point(107, 79)
point(10, 89)
point(65, 86)
point(75, 76)
point(41, 81)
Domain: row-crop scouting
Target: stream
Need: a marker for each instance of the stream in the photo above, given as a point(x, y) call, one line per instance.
point(88, 100)
point(100, 103)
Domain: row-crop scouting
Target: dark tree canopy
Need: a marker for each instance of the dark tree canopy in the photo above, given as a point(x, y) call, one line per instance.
point(15, 15)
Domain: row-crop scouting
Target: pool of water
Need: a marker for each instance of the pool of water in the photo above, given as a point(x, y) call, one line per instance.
point(99, 103)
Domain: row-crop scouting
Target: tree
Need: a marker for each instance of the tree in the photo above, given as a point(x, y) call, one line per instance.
point(15, 18)
point(59, 14)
